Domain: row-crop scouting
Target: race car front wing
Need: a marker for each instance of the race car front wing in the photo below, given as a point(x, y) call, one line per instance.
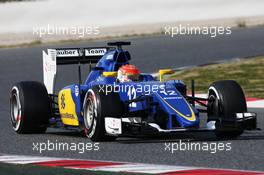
point(135, 126)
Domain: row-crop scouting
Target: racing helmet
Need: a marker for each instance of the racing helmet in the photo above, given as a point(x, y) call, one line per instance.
point(127, 73)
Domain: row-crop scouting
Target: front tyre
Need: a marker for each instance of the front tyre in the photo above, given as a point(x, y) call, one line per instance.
point(29, 107)
point(225, 99)
point(97, 106)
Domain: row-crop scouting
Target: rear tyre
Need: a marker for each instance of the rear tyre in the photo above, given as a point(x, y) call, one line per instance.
point(29, 107)
point(97, 106)
point(225, 98)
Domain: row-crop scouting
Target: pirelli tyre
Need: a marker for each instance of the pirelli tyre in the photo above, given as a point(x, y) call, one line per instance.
point(97, 105)
point(29, 107)
point(225, 99)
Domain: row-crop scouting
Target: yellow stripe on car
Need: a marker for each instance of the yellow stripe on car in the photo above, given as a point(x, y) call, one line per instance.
point(192, 118)
point(67, 108)
point(110, 74)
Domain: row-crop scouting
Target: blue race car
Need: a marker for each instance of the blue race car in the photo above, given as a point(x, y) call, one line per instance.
point(117, 100)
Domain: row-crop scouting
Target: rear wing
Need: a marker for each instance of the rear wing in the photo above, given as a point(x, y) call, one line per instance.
point(63, 56)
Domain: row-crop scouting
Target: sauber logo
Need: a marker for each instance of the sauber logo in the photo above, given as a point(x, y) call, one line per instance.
point(75, 53)
point(95, 52)
point(67, 53)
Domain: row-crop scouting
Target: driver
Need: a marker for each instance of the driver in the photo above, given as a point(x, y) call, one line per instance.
point(128, 73)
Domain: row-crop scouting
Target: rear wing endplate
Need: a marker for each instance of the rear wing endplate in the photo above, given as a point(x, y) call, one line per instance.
point(63, 56)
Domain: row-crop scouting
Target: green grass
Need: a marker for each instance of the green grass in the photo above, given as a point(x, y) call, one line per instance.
point(12, 169)
point(249, 73)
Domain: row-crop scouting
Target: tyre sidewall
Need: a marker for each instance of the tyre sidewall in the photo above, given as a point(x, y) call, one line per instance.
point(106, 105)
point(230, 100)
point(35, 107)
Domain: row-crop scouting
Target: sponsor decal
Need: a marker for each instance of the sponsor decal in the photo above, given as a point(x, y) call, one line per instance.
point(49, 67)
point(67, 53)
point(76, 90)
point(63, 101)
point(95, 52)
point(76, 52)
point(172, 98)
point(66, 115)
point(113, 125)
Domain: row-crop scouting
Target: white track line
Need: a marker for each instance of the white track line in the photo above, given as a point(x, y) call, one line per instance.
point(256, 104)
point(13, 159)
point(143, 168)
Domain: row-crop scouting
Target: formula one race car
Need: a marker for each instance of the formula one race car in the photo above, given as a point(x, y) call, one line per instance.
point(117, 100)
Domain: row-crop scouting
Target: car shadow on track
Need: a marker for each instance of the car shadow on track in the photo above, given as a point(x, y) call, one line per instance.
point(190, 136)
point(66, 133)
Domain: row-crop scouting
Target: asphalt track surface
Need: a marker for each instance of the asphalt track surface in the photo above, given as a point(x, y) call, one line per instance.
point(149, 54)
